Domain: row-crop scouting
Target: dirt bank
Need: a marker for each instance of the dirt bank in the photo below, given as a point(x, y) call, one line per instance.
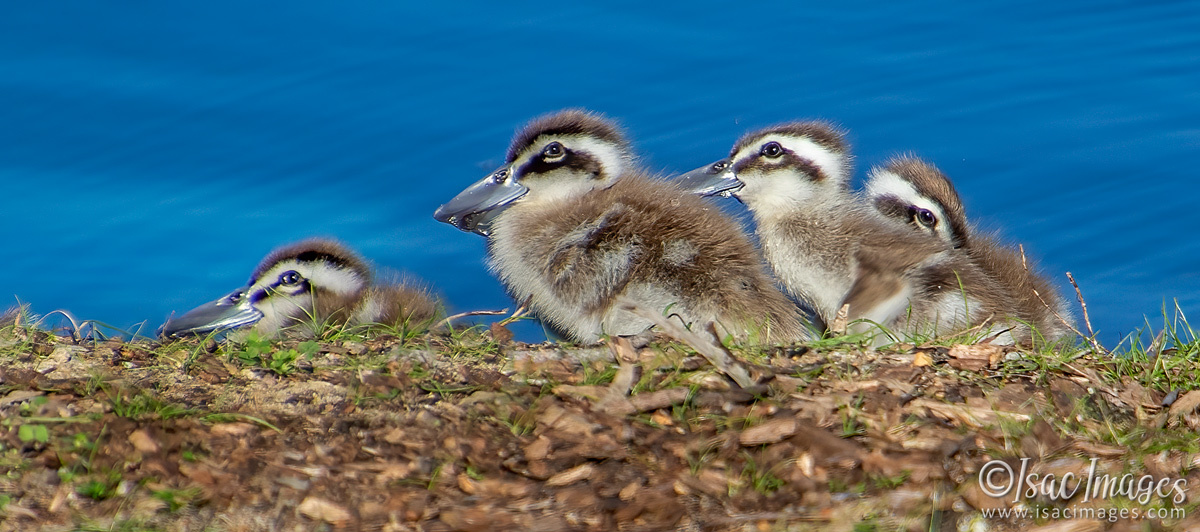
point(465, 433)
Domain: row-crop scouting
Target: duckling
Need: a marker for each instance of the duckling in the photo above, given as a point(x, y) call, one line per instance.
point(299, 288)
point(829, 249)
point(575, 229)
point(917, 193)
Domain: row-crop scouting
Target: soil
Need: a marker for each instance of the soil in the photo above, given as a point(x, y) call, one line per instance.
point(480, 433)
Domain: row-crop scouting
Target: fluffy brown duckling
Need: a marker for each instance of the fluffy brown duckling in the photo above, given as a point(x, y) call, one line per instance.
point(917, 193)
point(300, 288)
point(575, 229)
point(830, 249)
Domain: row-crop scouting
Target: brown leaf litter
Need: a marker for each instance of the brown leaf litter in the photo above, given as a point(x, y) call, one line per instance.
point(384, 434)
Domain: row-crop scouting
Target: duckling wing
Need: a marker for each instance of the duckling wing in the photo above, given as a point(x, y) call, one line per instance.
point(877, 295)
point(887, 260)
point(594, 260)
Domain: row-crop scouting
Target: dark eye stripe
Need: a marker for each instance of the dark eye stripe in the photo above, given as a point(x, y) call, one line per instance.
point(788, 159)
point(892, 207)
point(580, 162)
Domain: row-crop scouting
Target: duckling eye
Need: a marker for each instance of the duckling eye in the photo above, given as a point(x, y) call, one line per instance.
point(553, 151)
point(289, 278)
point(925, 217)
point(772, 150)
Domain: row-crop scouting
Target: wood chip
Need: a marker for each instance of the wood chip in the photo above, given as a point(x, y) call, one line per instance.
point(475, 519)
point(571, 476)
point(231, 429)
point(539, 449)
point(1185, 404)
point(467, 484)
point(142, 441)
point(1100, 450)
point(975, 357)
point(1074, 525)
point(974, 495)
point(1134, 394)
point(18, 396)
point(770, 432)
point(660, 399)
point(501, 333)
point(971, 416)
point(319, 509)
point(394, 436)
point(629, 491)
point(841, 321)
point(646, 402)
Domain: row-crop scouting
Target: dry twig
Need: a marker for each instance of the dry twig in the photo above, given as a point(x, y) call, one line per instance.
point(446, 322)
point(1092, 338)
point(517, 314)
point(1083, 304)
point(76, 325)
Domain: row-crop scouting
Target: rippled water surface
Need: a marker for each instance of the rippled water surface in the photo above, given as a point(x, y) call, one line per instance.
point(150, 154)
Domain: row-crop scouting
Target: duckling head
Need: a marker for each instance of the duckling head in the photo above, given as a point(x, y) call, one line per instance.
point(915, 192)
point(553, 158)
point(292, 285)
point(780, 166)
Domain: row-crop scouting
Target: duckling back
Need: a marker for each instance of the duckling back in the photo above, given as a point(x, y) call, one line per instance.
point(403, 305)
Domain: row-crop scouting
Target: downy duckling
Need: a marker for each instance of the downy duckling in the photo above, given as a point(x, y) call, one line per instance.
point(829, 249)
point(300, 288)
point(575, 229)
point(917, 193)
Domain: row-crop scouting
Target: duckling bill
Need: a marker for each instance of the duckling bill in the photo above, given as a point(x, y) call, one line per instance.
point(303, 286)
point(476, 208)
point(231, 311)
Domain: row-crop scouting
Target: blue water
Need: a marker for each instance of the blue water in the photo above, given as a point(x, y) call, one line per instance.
point(151, 153)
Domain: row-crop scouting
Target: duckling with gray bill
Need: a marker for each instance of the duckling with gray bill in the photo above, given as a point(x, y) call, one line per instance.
point(829, 249)
point(580, 228)
point(300, 288)
point(917, 194)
